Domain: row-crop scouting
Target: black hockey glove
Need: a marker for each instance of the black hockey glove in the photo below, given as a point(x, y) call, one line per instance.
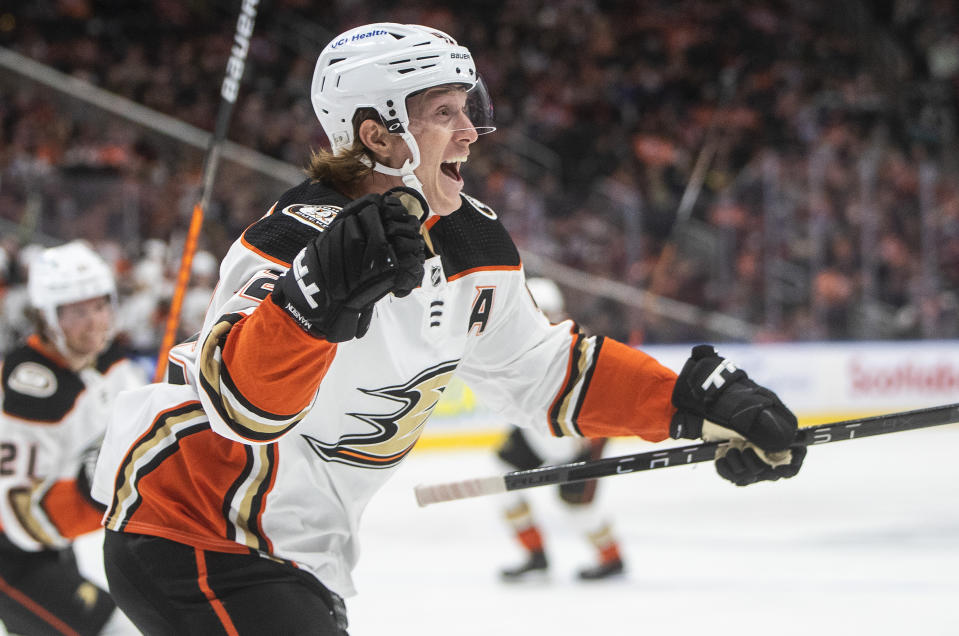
point(372, 248)
point(718, 402)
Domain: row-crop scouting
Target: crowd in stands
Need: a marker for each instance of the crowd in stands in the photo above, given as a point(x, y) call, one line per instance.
point(795, 161)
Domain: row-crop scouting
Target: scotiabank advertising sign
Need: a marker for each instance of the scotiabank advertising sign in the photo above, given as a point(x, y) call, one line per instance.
point(920, 377)
point(823, 378)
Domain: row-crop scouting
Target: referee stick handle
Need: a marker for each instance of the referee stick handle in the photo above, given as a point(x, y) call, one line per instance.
point(679, 455)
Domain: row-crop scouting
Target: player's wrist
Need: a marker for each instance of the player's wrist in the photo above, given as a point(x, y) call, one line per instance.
point(279, 298)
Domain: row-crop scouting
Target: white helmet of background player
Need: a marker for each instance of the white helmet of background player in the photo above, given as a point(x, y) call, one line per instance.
point(67, 274)
point(548, 297)
point(378, 66)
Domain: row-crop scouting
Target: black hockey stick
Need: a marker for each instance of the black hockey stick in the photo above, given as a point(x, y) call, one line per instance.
point(229, 90)
point(677, 456)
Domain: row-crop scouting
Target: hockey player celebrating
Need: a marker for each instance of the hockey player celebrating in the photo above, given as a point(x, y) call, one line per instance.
point(235, 490)
point(58, 388)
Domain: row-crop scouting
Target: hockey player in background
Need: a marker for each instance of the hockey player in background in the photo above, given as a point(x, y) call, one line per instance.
point(526, 448)
point(235, 490)
point(58, 388)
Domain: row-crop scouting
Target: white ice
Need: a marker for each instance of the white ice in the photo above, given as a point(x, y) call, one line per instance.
point(864, 541)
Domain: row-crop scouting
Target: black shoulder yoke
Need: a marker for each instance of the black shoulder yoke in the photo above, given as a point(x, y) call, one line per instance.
point(473, 237)
point(301, 213)
point(36, 388)
point(111, 355)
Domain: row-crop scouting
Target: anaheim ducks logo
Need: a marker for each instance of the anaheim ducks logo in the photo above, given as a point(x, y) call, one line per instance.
point(394, 434)
point(33, 379)
point(318, 216)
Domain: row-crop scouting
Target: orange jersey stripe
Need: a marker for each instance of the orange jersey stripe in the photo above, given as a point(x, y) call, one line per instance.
point(373, 458)
point(282, 377)
point(71, 512)
point(431, 221)
point(158, 494)
point(173, 495)
point(256, 251)
point(261, 253)
point(36, 609)
point(37, 344)
point(211, 544)
point(629, 394)
point(489, 268)
point(215, 603)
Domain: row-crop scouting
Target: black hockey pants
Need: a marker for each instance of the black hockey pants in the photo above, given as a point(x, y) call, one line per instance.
point(172, 589)
point(44, 593)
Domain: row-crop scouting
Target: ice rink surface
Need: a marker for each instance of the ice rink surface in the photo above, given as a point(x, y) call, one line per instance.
point(865, 541)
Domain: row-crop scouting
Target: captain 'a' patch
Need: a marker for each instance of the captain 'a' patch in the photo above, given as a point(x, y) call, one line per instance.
point(482, 309)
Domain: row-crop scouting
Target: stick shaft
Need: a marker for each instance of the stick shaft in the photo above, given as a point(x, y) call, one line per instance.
point(182, 282)
point(228, 94)
point(690, 454)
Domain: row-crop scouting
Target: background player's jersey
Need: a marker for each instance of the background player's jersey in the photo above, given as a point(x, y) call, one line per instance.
point(268, 439)
point(53, 418)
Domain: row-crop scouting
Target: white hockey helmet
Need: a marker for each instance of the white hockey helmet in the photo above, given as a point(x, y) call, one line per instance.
point(378, 66)
point(548, 297)
point(67, 274)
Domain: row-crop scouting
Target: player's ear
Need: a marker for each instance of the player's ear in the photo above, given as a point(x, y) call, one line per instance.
point(381, 143)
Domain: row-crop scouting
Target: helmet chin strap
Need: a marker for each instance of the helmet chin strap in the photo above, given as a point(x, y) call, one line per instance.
point(405, 172)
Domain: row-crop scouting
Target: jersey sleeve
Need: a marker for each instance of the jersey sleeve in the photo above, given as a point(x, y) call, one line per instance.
point(258, 374)
point(256, 371)
point(47, 515)
point(555, 377)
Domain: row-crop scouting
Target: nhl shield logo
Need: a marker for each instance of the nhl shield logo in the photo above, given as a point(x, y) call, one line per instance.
point(436, 275)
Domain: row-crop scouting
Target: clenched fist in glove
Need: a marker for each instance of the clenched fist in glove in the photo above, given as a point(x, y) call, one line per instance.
point(372, 248)
point(718, 402)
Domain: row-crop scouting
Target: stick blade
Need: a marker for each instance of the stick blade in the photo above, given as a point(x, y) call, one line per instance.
point(436, 493)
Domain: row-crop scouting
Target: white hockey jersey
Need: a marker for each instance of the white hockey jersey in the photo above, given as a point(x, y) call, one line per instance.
point(52, 419)
point(270, 440)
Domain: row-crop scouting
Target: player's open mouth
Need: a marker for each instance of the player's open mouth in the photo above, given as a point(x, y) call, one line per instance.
point(452, 169)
